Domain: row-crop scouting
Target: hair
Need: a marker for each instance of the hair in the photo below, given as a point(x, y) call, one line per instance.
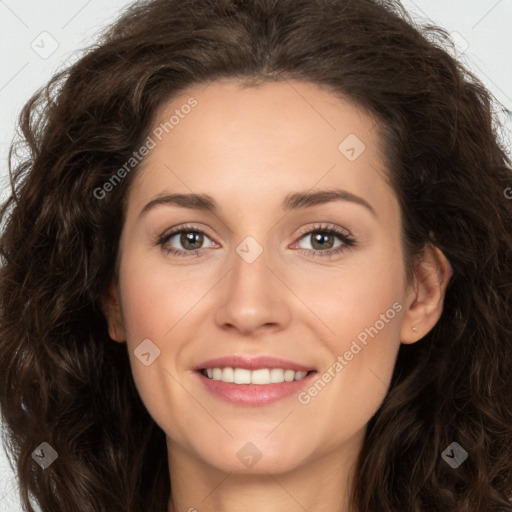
point(66, 383)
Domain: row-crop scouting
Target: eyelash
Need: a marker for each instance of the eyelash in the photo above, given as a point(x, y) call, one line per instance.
point(347, 239)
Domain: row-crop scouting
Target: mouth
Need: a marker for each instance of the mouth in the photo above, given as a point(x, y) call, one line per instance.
point(260, 376)
point(253, 381)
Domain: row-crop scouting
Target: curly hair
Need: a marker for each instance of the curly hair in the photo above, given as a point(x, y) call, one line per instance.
point(65, 382)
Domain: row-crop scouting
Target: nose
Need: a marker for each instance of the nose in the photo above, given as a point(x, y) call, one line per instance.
point(253, 297)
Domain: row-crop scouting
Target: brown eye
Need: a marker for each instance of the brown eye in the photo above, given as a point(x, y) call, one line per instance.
point(185, 241)
point(320, 240)
point(191, 240)
point(325, 241)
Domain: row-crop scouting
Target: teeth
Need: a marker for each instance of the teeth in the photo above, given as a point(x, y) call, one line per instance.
point(260, 376)
point(227, 375)
point(241, 376)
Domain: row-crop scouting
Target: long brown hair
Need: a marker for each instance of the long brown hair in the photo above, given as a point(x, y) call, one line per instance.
point(66, 383)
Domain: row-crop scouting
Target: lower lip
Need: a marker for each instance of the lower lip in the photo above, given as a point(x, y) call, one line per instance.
point(254, 394)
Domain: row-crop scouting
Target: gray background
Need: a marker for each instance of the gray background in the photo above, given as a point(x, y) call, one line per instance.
point(39, 37)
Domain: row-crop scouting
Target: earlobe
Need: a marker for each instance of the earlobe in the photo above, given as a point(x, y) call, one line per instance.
point(426, 298)
point(111, 307)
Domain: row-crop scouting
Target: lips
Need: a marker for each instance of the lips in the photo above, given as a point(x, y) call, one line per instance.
point(253, 381)
point(253, 363)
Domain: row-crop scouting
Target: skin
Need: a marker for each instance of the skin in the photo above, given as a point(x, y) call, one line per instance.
point(248, 149)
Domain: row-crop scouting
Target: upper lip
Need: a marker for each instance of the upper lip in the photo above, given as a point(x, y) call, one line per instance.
point(252, 363)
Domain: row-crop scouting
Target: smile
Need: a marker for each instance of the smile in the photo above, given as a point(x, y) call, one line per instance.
point(262, 376)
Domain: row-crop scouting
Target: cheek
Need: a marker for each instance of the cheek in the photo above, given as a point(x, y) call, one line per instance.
point(369, 320)
point(363, 304)
point(356, 296)
point(156, 297)
point(153, 367)
point(158, 304)
point(362, 307)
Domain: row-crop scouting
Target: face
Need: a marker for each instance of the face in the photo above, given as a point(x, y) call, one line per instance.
point(262, 278)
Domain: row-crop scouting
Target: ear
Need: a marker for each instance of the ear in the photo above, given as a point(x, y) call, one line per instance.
point(425, 297)
point(111, 306)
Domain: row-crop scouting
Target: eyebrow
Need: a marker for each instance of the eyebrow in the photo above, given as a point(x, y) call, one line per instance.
point(293, 201)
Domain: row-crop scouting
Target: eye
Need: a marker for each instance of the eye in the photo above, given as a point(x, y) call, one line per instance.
point(191, 239)
point(322, 241)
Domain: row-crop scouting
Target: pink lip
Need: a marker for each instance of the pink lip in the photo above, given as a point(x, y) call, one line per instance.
point(252, 363)
point(253, 394)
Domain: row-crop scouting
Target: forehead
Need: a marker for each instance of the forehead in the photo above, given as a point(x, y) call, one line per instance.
point(258, 142)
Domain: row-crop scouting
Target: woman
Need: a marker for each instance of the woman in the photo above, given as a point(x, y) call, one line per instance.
point(259, 258)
